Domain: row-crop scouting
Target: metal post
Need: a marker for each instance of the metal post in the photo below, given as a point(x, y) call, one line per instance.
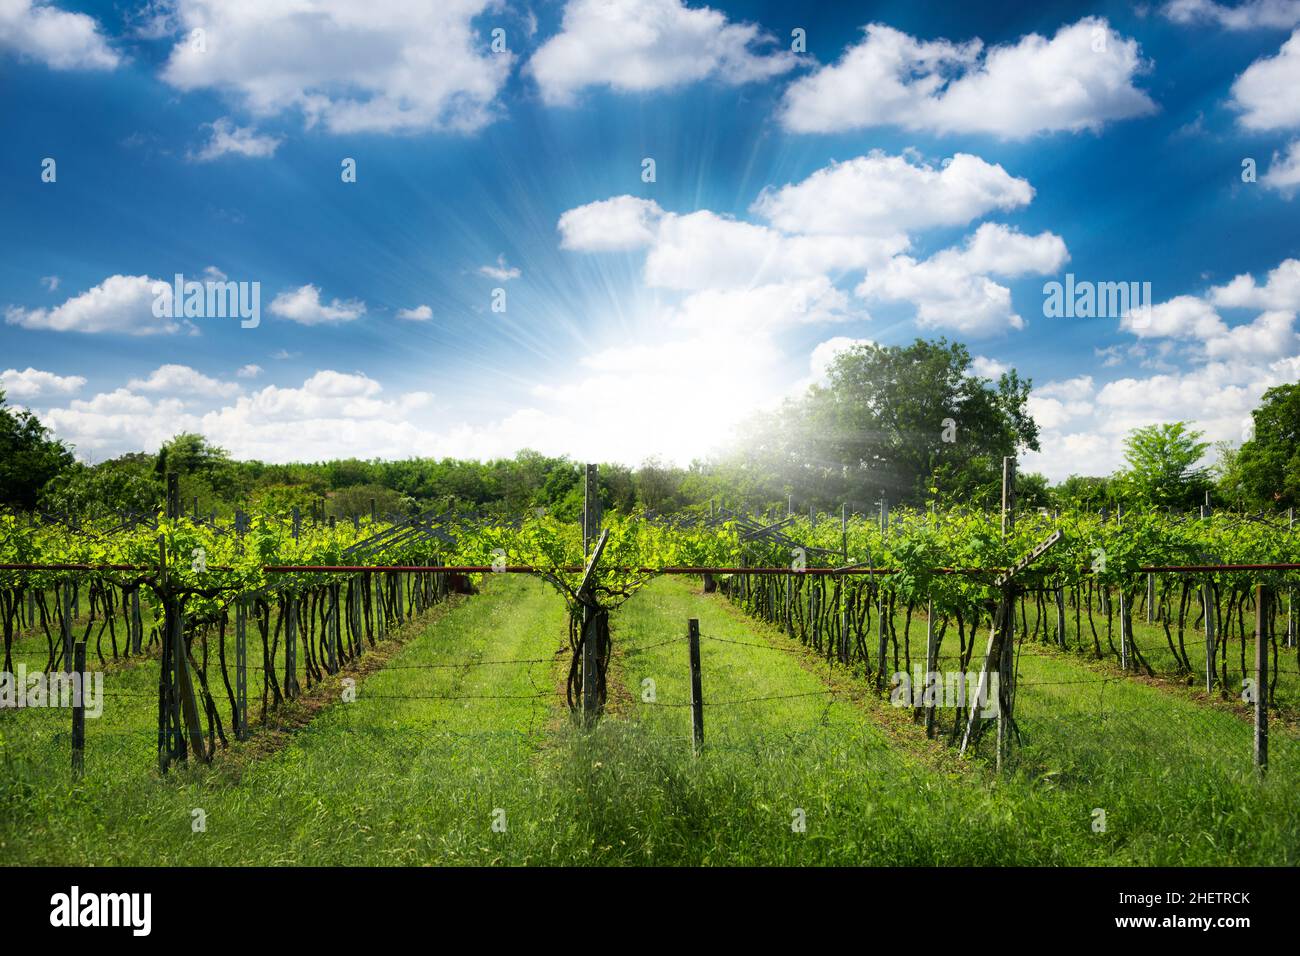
point(697, 693)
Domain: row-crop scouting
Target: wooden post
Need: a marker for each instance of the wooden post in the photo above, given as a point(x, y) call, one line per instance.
point(1261, 678)
point(931, 652)
point(590, 648)
point(137, 622)
point(697, 693)
point(165, 687)
point(1008, 495)
point(1060, 616)
point(79, 710)
point(184, 706)
point(1210, 605)
point(1123, 628)
point(241, 651)
point(291, 648)
point(64, 588)
point(1151, 597)
point(1290, 603)
point(882, 636)
point(844, 608)
point(241, 669)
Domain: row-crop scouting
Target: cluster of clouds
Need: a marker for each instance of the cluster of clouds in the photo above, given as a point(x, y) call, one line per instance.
point(1228, 368)
point(850, 219)
point(821, 251)
point(401, 66)
point(329, 407)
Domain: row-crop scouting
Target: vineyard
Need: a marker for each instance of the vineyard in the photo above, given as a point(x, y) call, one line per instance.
point(916, 683)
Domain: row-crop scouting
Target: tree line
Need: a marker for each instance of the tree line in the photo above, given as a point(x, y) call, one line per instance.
point(911, 424)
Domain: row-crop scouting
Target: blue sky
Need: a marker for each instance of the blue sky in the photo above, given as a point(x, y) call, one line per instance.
point(916, 169)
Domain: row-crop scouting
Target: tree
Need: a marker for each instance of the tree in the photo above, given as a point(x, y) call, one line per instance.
point(912, 422)
point(1268, 465)
point(126, 484)
point(1162, 465)
point(29, 457)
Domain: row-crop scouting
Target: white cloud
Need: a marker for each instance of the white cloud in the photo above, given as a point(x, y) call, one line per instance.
point(34, 383)
point(610, 225)
point(51, 283)
point(1280, 291)
point(229, 139)
point(421, 313)
point(118, 304)
point(1182, 317)
point(384, 66)
point(986, 367)
point(702, 250)
point(884, 195)
point(501, 272)
point(60, 40)
point(1266, 92)
point(1221, 373)
point(303, 305)
point(764, 309)
point(181, 379)
point(1077, 389)
point(249, 371)
point(824, 353)
point(1269, 336)
point(952, 289)
point(1250, 15)
point(1080, 79)
point(1284, 172)
point(641, 45)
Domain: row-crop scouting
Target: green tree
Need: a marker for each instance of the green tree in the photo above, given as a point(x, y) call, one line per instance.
point(29, 457)
point(126, 484)
point(1162, 463)
point(912, 422)
point(1268, 465)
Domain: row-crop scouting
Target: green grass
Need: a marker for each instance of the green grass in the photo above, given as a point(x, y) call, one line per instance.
point(417, 781)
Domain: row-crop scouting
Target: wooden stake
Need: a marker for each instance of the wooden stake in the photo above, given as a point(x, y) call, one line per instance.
point(931, 652)
point(79, 710)
point(697, 693)
point(590, 648)
point(241, 669)
point(1261, 679)
point(1208, 602)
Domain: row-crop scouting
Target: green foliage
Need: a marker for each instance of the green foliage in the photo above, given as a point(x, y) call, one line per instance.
point(29, 457)
point(1266, 471)
point(911, 422)
point(1162, 463)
